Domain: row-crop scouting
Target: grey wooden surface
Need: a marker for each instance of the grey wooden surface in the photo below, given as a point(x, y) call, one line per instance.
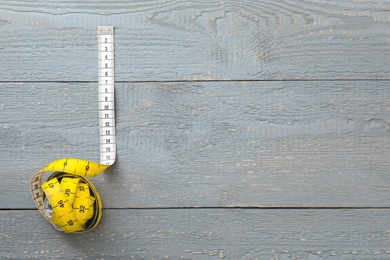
point(208, 144)
point(206, 234)
point(197, 40)
point(246, 129)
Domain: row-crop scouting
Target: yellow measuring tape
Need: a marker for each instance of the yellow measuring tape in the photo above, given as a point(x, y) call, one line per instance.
point(68, 199)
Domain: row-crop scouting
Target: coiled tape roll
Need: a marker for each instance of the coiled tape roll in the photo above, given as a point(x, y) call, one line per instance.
point(68, 199)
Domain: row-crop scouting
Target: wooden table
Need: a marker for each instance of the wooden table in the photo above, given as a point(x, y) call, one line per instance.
point(245, 129)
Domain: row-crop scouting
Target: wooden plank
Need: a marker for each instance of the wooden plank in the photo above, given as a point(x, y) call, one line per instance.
point(204, 234)
point(208, 144)
point(197, 40)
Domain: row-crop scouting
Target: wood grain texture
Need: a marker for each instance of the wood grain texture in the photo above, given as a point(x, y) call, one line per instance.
point(197, 40)
point(204, 234)
point(208, 144)
point(209, 166)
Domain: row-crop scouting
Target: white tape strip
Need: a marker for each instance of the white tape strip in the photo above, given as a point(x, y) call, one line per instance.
point(106, 94)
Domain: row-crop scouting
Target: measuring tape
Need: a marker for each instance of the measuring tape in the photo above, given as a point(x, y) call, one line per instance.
point(106, 94)
point(68, 199)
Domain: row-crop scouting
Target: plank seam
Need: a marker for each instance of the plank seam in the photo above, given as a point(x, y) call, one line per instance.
point(222, 208)
point(206, 81)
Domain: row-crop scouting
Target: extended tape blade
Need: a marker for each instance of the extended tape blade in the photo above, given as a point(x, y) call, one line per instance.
point(106, 95)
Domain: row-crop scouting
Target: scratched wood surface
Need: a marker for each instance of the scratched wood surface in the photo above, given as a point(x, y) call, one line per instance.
point(207, 144)
point(205, 234)
point(246, 129)
point(197, 40)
